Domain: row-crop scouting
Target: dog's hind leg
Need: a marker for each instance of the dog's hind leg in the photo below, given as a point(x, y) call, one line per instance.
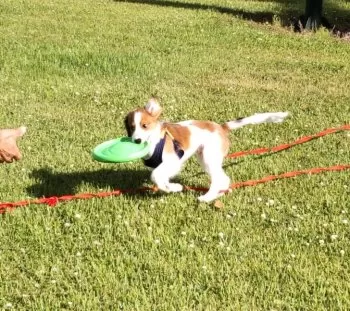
point(212, 164)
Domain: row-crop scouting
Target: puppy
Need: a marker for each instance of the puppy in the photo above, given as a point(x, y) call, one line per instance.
point(172, 144)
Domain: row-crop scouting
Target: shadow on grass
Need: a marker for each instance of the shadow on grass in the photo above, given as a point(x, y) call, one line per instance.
point(49, 183)
point(258, 17)
point(336, 19)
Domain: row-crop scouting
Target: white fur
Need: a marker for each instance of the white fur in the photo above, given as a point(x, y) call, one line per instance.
point(152, 107)
point(267, 117)
point(205, 144)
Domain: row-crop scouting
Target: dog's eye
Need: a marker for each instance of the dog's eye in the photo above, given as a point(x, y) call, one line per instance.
point(144, 125)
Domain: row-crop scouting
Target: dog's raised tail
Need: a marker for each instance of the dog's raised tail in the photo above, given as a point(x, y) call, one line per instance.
point(266, 117)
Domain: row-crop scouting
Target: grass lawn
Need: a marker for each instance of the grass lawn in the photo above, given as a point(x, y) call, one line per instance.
point(71, 70)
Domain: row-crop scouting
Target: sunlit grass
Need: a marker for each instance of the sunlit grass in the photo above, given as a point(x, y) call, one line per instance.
point(70, 71)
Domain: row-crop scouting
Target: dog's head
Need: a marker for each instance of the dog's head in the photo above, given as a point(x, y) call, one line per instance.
point(142, 123)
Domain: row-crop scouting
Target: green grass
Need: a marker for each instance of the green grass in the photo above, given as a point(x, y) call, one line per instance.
point(70, 70)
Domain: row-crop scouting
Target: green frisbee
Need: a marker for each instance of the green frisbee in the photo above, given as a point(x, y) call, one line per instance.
point(119, 150)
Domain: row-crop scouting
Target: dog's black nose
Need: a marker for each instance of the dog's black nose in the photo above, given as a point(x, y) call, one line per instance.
point(138, 141)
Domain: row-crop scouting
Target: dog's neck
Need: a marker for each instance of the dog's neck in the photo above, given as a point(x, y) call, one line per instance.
point(155, 137)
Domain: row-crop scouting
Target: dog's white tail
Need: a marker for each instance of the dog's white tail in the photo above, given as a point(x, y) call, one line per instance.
point(267, 117)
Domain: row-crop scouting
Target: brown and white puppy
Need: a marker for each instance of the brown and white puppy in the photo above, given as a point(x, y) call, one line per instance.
point(171, 144)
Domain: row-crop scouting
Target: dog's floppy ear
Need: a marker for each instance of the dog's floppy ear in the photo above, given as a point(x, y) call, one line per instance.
point(153, 108)
point(127, 126)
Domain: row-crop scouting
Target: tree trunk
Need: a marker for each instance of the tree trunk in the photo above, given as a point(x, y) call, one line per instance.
point(313, 14)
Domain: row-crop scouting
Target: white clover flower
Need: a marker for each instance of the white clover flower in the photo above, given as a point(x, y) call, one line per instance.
point(221, 244)
point(157, 241)
point(221, 235)
point(77, 216)
point(342, 252)
point(321, 242)
point(270, 202)
point(334, 237)
point(183, 233)
point(78, 254)
point(345, 221)
point(67, 224)
point(263, 216)
point(8, 305)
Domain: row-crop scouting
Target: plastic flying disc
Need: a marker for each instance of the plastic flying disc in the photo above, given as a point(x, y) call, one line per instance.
point(119, 150)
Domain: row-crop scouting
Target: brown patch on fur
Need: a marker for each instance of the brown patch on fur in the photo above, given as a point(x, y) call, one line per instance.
point(129, 123)
point(207, 125)
point(148, 120)
point(180, 133)
point(225, 127)
point(225, 142)
point(222, 130)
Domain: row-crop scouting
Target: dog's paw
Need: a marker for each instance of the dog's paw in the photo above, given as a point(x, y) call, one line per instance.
point(172, 187)
point(206, 198)
point(210, 196)
point(163, 188)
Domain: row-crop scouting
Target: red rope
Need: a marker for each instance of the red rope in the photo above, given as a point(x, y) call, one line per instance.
point(52, 201)
point(299, 141)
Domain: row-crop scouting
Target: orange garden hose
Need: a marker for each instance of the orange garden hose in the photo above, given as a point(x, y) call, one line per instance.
point(52, 201)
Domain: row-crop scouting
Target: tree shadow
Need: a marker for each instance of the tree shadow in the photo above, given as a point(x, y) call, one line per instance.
point(49, 183)
point(258, 17)
point(336, 19)
point(339, 17)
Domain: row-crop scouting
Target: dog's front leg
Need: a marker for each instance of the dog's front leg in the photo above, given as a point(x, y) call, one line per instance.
point(162, 174)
